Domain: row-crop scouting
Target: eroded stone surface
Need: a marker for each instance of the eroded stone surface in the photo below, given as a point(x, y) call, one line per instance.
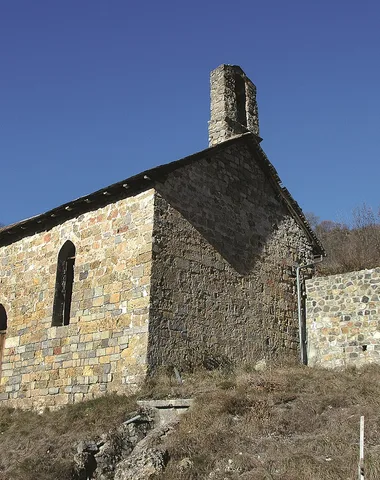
point(233, 104)
point(223, 288)
point(148, 458)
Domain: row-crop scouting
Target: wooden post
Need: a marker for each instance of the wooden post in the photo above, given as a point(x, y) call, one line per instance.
point(361, 450)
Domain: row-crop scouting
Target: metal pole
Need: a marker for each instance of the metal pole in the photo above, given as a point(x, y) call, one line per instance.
point(300, 326)
point(361, 450)
point(299, 306)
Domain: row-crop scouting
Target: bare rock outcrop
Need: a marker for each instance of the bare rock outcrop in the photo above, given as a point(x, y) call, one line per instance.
point(148, 458)
point(134, 451)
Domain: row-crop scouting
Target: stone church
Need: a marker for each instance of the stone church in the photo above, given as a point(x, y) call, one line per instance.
point(189, 263)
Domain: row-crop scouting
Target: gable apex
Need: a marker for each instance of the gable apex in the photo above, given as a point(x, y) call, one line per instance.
point(146, 180)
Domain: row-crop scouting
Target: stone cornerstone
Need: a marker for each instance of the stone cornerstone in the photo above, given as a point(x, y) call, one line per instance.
point(187, 264)
point(343, 319)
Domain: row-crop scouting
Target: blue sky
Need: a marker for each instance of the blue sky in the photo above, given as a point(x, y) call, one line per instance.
point(92, 92)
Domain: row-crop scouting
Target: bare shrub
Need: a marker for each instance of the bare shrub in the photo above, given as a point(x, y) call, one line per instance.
point(349, 246)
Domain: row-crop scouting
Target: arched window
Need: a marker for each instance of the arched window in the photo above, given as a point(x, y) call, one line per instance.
point(64, 285)
point(3, 319)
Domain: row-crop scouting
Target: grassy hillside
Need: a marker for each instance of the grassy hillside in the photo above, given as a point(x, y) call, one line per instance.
point(42, 446)
point(285, 423)
point(293, 423)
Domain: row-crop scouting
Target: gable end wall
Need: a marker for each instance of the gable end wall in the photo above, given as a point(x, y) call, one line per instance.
point(223, 250)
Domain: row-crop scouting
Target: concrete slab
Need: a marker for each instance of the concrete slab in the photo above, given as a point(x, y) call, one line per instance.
point(167, 410)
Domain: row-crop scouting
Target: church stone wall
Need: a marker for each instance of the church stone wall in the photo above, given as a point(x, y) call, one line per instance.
point(224, 246)
point(343, 319)
point(104, 347)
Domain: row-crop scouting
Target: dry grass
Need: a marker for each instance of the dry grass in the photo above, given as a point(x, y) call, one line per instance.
point(292, 423)
point(42, 446)
point(285, 423)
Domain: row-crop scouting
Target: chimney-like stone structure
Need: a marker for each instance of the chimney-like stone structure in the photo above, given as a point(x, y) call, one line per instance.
point(233, 104)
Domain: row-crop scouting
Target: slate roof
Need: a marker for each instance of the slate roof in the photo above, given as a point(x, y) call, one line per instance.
point(145, 180)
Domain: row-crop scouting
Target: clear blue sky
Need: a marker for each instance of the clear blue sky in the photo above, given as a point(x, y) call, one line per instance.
point(92, 92)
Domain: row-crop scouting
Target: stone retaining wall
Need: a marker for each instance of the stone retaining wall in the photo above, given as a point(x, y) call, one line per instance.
point(343, 319)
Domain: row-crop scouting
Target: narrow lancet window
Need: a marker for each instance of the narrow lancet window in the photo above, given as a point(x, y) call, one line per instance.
point(64, 285)
point(3, 319)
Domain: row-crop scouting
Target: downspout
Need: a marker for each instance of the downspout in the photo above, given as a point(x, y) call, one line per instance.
point(299, 305)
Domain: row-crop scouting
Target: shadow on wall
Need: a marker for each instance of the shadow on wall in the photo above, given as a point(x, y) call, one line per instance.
point(221, 282)
point(235, 214)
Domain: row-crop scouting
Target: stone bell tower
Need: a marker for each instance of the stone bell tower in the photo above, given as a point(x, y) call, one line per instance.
point(233, 104)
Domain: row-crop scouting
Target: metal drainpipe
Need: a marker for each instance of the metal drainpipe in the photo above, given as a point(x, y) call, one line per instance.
point(300, 325)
